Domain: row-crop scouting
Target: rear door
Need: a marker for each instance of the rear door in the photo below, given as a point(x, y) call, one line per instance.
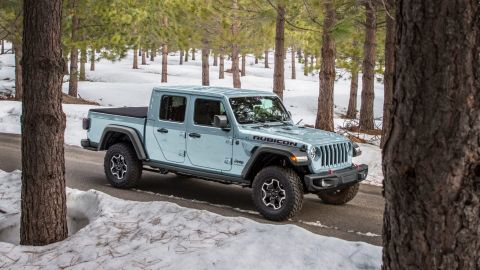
point(170, 127)
point(208, 146)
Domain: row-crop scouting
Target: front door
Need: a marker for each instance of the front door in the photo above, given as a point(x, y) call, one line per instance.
point(170, 128)
point(208, 146)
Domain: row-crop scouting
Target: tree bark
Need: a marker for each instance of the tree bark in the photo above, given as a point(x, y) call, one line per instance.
point(279, 64)
point(221, 69)
point(181, 57)
point(431, 159)
point(65, 65)
point(305, 66)
point(266, 59)
point(215, 60)
point(300, 57)
point(135, 57)
point(164, 62)
point(327, 71)
point(368, 79)
point(243, 71)
point(256, 60)
point(352, 103)
point(294, 72)
point(205, 64)
point(153, 54)
point(44, 210)
point(235, 31)
point(389, 73)
point(144, 57)
point(92, 59)
point(83, 60)
point(193, 54)
point(3, 47)
point(73, 82)
point(186, 56)
point(18, 71)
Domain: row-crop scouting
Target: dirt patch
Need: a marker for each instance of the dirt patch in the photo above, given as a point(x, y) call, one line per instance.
point(73, 100)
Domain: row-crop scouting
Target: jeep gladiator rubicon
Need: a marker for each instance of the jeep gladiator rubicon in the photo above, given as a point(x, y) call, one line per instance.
point(234, 136)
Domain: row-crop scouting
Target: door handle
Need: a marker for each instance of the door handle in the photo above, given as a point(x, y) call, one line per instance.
point(194, 135)
point(162, 130)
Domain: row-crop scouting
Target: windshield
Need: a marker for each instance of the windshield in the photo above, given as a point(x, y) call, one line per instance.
point(258, 109)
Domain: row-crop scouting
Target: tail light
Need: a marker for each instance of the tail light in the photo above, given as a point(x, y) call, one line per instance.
point(86, 123)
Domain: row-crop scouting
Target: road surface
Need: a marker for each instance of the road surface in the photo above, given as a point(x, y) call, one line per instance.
point(359, 220)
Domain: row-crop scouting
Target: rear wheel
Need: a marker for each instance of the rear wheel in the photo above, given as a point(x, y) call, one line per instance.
point(341, 196)
point(277, 193)
point(122, 167)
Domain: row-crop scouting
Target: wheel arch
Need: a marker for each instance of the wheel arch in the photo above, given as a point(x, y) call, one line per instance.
point(114, 134)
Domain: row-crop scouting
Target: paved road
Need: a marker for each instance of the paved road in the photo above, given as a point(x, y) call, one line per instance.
point(84, 171)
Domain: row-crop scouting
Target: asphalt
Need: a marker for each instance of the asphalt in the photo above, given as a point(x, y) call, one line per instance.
point(359, 220)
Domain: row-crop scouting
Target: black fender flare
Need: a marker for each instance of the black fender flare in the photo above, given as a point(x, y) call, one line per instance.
point(281, 150)
point(130, 133)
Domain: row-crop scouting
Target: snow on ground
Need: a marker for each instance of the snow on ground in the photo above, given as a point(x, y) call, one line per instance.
point(110, 233)
point(117, 84)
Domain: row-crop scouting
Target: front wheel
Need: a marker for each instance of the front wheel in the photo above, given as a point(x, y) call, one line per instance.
point(277, 193)
point(341, 196)
point(122, 167)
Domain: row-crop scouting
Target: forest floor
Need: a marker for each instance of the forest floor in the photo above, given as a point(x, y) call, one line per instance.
point(111, 233)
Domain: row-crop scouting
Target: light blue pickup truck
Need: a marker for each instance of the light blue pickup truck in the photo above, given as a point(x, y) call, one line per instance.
point(234, 136)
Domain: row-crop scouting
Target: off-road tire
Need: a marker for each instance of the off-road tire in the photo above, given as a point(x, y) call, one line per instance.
point(292, 185)
point(134, 166)
point(340, 197)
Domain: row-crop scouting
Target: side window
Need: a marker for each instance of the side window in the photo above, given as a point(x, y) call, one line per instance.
point(172, 108)
point(205, 110)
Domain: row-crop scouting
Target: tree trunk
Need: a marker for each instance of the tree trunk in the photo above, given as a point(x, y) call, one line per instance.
point(221, 70)
point(18, 71)
point(181, 57)
point(215, 60)
point(65, 65)
point(144, 57)
point(205, 65)
point(312, 62)
point(352, 103)
point(139, 51)
point(389, 73)
point(300, 57)
point(279, 63)
point(431, 159)
point(153, 54)
point(164, 62)
point(3, 46)
point(327, 71)
point(186, 56)
point(305, 66)
point(135, 57)
point(44, 209)
point(243, 71)
point(193, 54)
point(73, 82)
point(266, 59)
point(83, 60)
point(368, 79)
point(256, 60)
point(92, 59)
point(235, 32)
point(294, 72)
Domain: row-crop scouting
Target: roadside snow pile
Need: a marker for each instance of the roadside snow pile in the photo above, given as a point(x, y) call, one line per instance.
point(159, 235)
point(372, 156)
point(10, 112)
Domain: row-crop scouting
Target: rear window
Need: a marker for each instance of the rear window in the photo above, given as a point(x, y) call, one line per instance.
point(172, 108)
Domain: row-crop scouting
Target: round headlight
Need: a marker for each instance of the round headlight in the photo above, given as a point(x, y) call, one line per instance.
point(312, 152)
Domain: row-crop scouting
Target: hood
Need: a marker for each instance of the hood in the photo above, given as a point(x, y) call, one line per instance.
point(296, 134)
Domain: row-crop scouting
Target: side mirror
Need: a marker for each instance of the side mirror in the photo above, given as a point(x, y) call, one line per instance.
point(220, 121)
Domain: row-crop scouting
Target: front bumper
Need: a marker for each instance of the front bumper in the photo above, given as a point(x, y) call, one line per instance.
point(336, 179)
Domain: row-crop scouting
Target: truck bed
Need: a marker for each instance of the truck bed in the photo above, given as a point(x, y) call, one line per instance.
point(136, 112)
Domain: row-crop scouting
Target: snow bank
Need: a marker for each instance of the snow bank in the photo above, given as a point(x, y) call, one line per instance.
point(161, 235)
point(10, 112)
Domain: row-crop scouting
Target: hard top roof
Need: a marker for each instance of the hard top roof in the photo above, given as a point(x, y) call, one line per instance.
point(213, 91)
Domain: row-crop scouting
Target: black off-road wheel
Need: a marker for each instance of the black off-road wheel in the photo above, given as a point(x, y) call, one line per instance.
point(277, 193)
point(122, 167)
point(341, 196)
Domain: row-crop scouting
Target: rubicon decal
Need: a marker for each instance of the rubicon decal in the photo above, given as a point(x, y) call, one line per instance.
point(272, 140)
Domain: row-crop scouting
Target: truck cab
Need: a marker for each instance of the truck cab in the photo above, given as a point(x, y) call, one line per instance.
point(234, 136)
